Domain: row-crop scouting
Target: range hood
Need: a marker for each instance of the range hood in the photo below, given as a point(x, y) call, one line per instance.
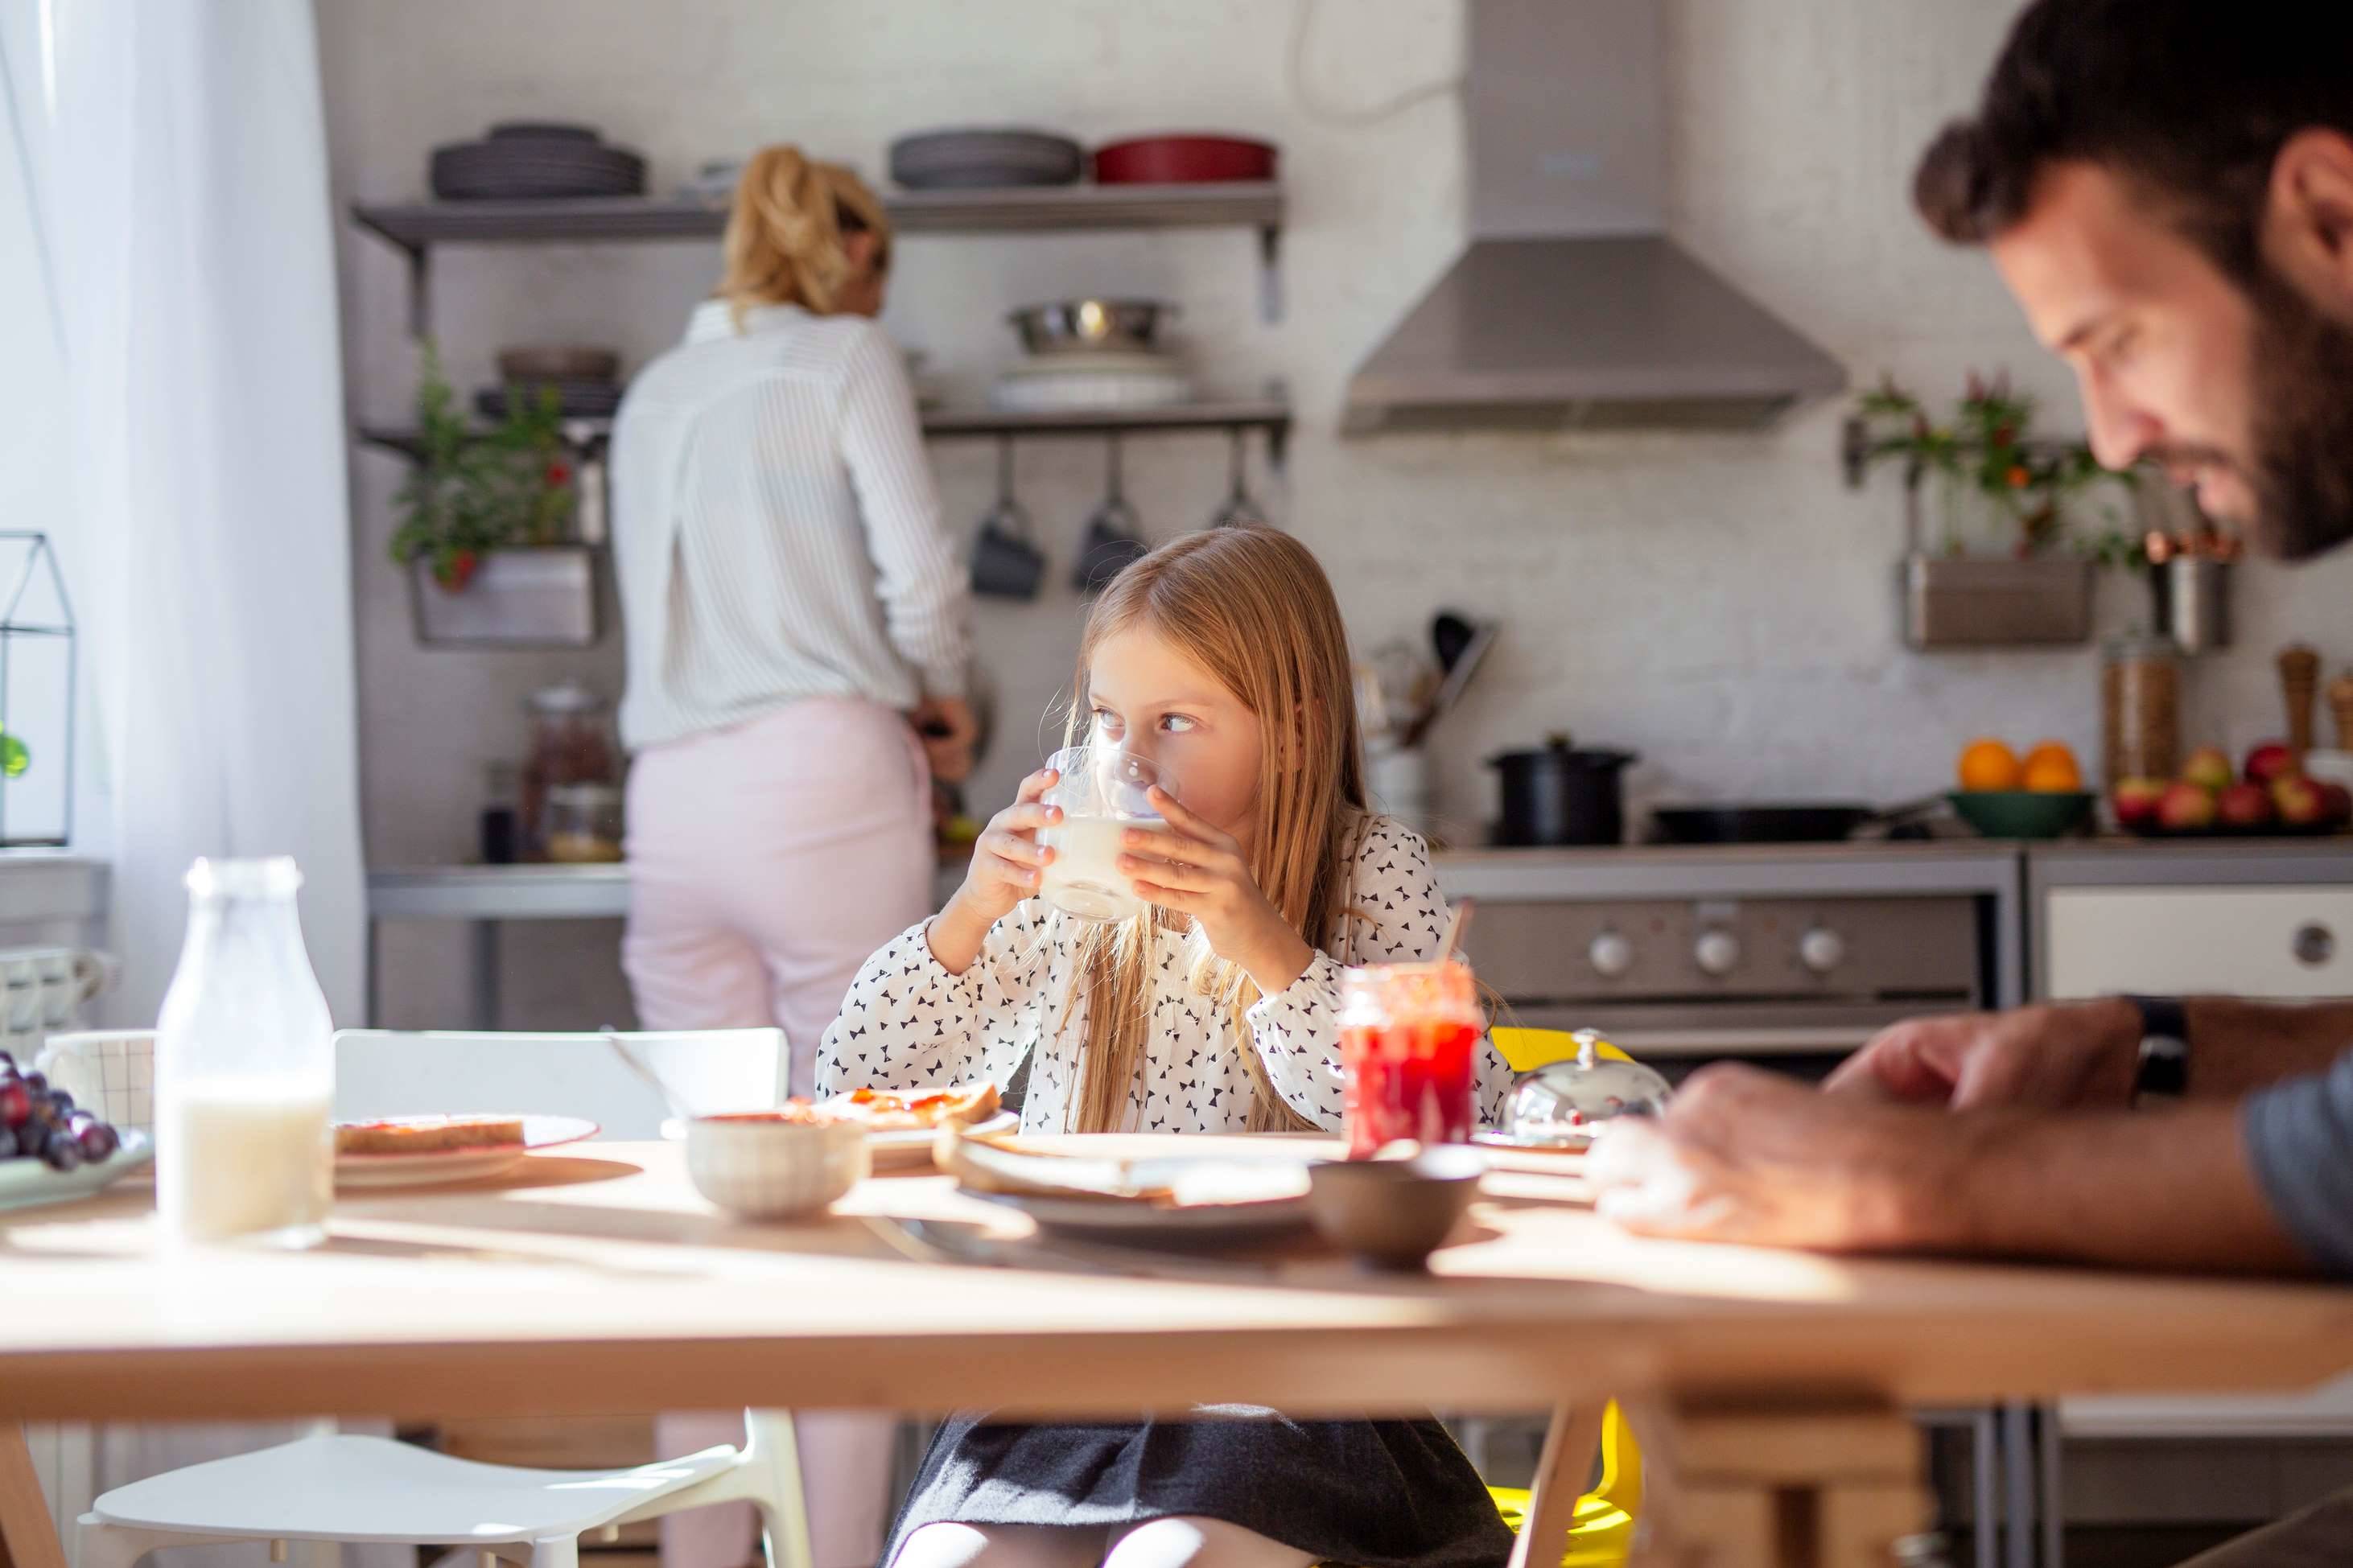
point(1571, 307)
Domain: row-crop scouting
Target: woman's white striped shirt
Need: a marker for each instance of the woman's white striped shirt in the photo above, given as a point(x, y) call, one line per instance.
point(776, 533)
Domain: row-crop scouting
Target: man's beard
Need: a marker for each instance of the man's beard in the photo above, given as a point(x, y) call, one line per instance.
point(2302, 423)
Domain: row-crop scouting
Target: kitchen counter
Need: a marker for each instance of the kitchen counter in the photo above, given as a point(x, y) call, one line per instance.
point(2188, 862)
point(485, 897)
point(602, 893)
point(2010, 876)
point(1738, 870)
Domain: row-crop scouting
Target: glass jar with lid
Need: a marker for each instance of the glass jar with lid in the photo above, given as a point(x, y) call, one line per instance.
point(571, 742)
point(583, 824)
point(2140, 709)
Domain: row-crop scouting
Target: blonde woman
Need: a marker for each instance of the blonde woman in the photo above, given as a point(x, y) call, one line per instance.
point(1221, 658)
point(796, 627)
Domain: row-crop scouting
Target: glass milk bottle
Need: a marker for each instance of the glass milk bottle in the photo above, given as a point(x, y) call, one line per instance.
point(245, 1067)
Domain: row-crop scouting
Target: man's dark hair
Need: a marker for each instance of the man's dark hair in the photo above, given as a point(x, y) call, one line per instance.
point(2187, 100)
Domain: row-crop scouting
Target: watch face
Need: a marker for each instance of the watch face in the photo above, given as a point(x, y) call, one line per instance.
point(2164, 1067)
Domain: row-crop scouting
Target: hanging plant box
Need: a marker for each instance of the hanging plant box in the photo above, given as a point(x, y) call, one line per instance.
point(540, 595)
point(1973, 601)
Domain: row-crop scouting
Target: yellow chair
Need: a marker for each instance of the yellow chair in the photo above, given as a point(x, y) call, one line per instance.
point(1603, 1533)
point(1525, 1050)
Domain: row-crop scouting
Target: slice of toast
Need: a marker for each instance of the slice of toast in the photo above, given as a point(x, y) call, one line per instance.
point(427, 1134)
point(882, 1111)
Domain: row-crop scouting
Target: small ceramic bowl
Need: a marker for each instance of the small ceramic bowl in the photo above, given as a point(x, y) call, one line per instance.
point(2023, 814)
point(759, 1165)
point(1393, 1213)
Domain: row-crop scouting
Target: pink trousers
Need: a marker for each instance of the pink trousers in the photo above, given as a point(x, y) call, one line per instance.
point(767, 862)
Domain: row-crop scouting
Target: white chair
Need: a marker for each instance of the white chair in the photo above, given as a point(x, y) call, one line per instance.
point(385, 1072)
point(338, 1487)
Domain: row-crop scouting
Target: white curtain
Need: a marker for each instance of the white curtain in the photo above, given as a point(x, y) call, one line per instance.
point(170, 312)
point(185, 199)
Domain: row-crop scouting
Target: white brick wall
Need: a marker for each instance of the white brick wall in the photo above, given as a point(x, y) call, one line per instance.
point(1720, 603)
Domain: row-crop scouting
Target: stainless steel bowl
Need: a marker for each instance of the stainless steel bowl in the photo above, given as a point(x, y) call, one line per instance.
point(1067, 326)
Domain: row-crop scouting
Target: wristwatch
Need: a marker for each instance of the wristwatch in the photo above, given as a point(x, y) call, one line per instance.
point(2164, 1064)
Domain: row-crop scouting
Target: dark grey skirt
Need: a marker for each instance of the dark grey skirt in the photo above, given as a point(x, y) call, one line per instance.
point(1370, 1494)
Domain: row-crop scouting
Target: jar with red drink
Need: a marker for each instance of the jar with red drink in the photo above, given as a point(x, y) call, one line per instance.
point(1408, 1047)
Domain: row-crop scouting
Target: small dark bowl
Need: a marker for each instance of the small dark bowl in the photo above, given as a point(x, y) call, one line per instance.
point(2023, 814)
point(1393, 1213)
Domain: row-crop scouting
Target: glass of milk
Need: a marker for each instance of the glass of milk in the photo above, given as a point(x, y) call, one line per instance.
point(245, 1067)
point(1103, 790)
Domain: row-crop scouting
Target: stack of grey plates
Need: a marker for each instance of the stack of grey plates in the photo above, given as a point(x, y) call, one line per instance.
point(982, 158)
point(584, 378)
point(573, 399)
point(522, 160)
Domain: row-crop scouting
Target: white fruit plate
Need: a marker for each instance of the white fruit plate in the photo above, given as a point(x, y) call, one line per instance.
point(25, 1183)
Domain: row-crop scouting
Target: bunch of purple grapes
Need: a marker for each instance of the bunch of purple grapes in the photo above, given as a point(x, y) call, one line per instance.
point(38, 1122)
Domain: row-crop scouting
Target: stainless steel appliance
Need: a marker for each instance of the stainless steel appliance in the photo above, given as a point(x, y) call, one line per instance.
point(1572, 306)
point(1790, 956)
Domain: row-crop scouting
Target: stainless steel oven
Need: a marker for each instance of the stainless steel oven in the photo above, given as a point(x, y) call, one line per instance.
point(1792, 957)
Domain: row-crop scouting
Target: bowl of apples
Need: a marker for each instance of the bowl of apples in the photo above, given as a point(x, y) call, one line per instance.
point(2269, 795)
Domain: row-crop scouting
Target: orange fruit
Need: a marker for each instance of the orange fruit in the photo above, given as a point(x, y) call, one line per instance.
point(1988, 764)
point(2051, 751)
point(2053, 770)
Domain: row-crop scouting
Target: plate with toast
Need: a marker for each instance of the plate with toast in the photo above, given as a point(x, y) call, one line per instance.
point(1169, 1198)
point(417, 1150)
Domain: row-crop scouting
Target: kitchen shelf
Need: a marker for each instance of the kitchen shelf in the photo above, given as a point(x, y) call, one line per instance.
point(416, 227)
point(1270, 413)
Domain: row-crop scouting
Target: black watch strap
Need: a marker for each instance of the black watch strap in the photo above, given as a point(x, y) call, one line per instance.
point(2163, 1072)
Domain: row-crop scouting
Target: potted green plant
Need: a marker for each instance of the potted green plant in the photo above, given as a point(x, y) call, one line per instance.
point(485, 524)
point(2011, 555)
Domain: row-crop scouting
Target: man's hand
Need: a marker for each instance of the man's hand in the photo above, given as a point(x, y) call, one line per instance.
point(948, 730)
point(1751, 1156)
point(1743, 1156)
point(2069, 1056)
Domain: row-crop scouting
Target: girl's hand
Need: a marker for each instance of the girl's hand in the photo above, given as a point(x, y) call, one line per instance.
point(1007, 859)
point(1006, 864)
point(1194, 869)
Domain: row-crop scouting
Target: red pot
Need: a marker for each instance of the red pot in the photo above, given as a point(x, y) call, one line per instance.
point(1184, 161)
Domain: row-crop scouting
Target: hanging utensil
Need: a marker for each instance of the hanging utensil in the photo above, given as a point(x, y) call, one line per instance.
point(1112, 538)
point(1005, 563)
point(1239, 510)
point(1458, 676)
point(1450, 633)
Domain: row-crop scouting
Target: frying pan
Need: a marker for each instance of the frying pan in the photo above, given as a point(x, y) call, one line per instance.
point(1809, 823)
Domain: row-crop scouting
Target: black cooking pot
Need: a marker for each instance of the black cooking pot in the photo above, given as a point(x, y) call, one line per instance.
point(1560, 794)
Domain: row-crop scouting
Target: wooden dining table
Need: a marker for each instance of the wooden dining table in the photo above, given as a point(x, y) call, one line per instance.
point(1769, 1388)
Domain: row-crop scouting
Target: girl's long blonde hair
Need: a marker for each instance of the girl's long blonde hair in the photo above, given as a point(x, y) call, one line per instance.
point(1252, 606)
point(784, 243)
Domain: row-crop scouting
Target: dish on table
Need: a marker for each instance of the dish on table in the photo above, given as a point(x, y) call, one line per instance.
point(899, 1123)
point(27, 1183)
point(417, 1150)
point(1167, 1197)
point(773, 1164)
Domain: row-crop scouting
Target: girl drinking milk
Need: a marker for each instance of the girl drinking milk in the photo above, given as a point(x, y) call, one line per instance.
point(1220, 660)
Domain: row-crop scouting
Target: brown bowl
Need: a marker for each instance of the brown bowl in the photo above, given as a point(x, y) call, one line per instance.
point(557, 361)
point(1393, 1213)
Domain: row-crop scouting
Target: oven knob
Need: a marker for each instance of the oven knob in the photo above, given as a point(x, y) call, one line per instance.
point(1821, 950)
point(1611, 955)
point(1717, 953)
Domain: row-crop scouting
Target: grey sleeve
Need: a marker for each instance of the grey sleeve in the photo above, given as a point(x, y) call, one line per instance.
point(2300, 1137)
